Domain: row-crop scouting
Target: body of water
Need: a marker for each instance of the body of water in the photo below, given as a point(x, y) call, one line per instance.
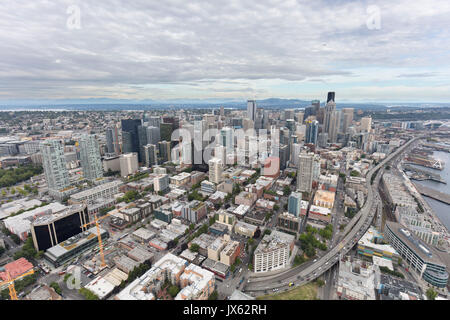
point(441, 209)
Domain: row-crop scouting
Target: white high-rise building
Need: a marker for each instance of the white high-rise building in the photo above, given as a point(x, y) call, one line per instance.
point(90, 157)
point(305, 173)
point(128, 164)
point(347, 114)
point(54, 164)
point(366, 124)
point(215, 170)
point(251, 110)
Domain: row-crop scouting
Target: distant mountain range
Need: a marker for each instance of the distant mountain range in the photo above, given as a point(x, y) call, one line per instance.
point(128, 104)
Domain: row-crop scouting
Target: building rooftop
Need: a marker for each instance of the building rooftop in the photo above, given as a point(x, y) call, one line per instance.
point(391, 288)
point(274, 241)
point(97, 189)
point(368, 240)
point(9, 208)
point(215, 266)
point(144, 234)
point(241, 210)
point(217, 244)
point(43, 293)
point(140, 254)
point(22, 222)
point(320, 210)
point(198, 279)
point(16, 268)
point(100, 287)
point(425, 252)
point(48, 218)
point(73, 242)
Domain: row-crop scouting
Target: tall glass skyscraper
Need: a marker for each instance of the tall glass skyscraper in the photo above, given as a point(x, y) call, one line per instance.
point(312, 129)
point(130, 136)
point(54, 164)
point(251, 109)
point(294, 203)
point(112, 140)
point(90, 157)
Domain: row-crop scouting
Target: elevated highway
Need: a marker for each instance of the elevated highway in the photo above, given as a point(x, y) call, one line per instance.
point(361, 222)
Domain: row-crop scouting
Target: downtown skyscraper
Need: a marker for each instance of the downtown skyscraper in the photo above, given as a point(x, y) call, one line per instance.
point(305, 175)
point(312, 130)
point(130, 135)
point(112, 140)
point(251, 110)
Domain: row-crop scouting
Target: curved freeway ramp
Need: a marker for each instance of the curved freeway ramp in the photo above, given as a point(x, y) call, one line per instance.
point(360, 222)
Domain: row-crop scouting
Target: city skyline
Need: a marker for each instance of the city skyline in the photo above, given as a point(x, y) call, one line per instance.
point(368, 52)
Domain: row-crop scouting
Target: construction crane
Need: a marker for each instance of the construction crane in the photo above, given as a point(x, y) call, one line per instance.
point(96, 220)
point(10, 282)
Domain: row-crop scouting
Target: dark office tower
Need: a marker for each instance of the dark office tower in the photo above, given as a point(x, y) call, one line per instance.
point(259, 120)
point(316, 106)
point(290, 124)
point(284, 156)
point(112, 140)
point(309, 111)
point(330, 97)
point(173, 120)
point(166, 131)
point(284, 135)
point(50, 229)
point(167, 126)
point(320, 115)
point(236, 123)
point(130, 136)
point(142, 134)
point(164, 151)
point(312, 129)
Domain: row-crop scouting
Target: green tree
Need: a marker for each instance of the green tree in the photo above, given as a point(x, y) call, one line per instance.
point(214, 295)
point(194, 247)
point(354, 173)
point(431, 294)
point(173, 291)
point(56, 286)
point(320, 282)
point(88, 294)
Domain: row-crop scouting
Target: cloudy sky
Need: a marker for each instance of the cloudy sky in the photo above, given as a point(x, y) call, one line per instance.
point(144, 49)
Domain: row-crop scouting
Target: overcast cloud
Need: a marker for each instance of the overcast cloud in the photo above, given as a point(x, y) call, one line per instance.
point(233, 49)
